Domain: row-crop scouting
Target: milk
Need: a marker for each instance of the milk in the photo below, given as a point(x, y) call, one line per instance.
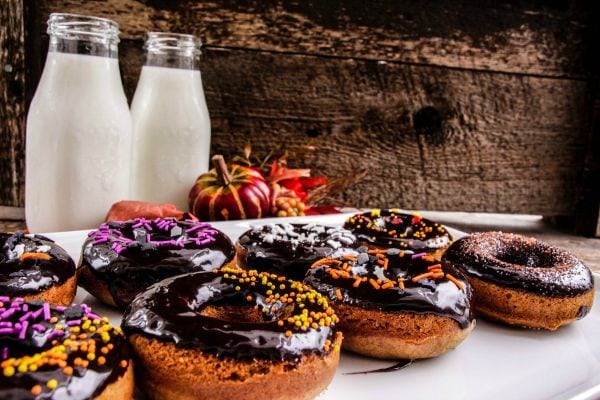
point(78, 146)
point(171, 129)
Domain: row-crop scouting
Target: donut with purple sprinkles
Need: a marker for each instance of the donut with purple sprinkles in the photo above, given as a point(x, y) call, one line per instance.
point(121, 259)
point(57, 352)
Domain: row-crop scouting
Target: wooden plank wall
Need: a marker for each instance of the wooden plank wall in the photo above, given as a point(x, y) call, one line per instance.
point(461, 105)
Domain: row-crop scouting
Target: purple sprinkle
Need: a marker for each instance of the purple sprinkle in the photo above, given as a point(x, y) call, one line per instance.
point(46, 308)
point(38, 327)
point(6, 324)
point(74, 322)
point(93, 316)
point(6, 331)
point(60, 308)
point(23, 330)
point(36, 314)
point(4, 298)
point(5, 353)
point(419, 255)
point(2, 309)
point(18, 300)
point(25, 308)
point(25, 316)
point(8, 313)
point(56, 334)
point(16, 305)
point(17, 326)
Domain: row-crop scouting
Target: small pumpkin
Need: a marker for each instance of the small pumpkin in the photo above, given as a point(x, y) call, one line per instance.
point(221, 194)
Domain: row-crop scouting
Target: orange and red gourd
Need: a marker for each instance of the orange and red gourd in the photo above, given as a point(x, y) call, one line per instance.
point(223, 194)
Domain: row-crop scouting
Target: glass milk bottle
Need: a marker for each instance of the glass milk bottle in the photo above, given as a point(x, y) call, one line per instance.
point(79, 128)
point(171, 126)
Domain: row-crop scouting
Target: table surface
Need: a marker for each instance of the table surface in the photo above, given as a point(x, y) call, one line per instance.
point(587, 249)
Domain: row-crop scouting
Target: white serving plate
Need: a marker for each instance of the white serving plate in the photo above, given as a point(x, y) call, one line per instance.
point(494, 362)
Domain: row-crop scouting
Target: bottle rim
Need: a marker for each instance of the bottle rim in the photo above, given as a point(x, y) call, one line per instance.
point(172, 42)
point(67, 25)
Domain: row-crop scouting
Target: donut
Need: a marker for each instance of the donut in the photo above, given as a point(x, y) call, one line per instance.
point(121, 259)
point(290, 249)
point(395, 229)
point(58, 352)
point(36, 268)
point(395, 304)
point(232, 333)
point(523, 281)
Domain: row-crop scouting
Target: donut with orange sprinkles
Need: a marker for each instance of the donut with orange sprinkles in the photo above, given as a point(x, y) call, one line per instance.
point(216, 335)
point(395, 303)
point(58, 352)
point(394, 229)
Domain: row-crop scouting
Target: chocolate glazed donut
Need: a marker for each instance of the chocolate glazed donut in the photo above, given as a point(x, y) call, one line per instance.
point(523, 281)
point(56, 352)
point(121, 259)
point(396, 304)
point(290, 249)
point(34, 267)
point(393, 228)
point(220, 334)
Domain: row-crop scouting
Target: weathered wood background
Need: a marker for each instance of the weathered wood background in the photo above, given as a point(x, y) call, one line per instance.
point(457, 105)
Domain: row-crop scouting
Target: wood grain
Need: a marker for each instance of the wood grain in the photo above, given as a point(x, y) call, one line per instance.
point(507, 143)
point(12, 103)
point(533, 37)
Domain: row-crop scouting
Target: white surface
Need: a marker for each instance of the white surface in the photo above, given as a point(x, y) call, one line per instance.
point(78, 143)
point(494, 362)
point(171, 135)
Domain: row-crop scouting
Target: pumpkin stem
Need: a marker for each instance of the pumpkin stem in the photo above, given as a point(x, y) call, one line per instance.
point(221, 167)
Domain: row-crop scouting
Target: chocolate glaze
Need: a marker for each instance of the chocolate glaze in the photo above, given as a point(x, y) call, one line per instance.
point(21, 277)
point(392, 228)
point(522, 263)
point(171, 311)
point(396, 367)
point(436, 296)
point(130, 256)
point(85, 382)
point(290, 249)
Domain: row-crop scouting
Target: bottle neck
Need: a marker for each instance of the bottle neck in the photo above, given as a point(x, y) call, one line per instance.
point(83, 47)
point(80, 34)
point(172, 50)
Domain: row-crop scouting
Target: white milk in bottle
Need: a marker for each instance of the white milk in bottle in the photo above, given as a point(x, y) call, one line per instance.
point(78, 147)
point(171, 124)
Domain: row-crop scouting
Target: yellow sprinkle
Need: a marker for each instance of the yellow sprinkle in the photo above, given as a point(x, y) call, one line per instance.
point(91, 356)
point(9, 371)
point(52, 384)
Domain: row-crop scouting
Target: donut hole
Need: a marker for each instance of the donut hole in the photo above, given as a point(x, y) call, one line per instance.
point(244, 314)
point(530, 256)
point(249, 315)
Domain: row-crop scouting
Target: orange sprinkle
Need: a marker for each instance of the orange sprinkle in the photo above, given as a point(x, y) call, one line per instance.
point(380, 261)
point(36, 390)
point(376, 251)
point(438, 274)
point(422, 276)
point(357, 282)
point(68, 371)
point(432, 267)
point(387, 285)
point(455, 281)
point(374, 283)
point(385, 263)
point(338, 294)
point(288, 333)
point(101, 360)
point(349, 258)
point(428, 258)
point(249, 298)
point(34, 256)
point(123, 363)
point(401, 283)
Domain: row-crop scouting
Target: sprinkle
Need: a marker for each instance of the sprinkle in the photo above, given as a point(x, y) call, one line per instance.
point(52, 384)
point(338, 294)
point(422, 276)
point(418, 255)
point(34, 256)
point(374, 283)
point(36, 390)
point(455, 281)
point(46, 308)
